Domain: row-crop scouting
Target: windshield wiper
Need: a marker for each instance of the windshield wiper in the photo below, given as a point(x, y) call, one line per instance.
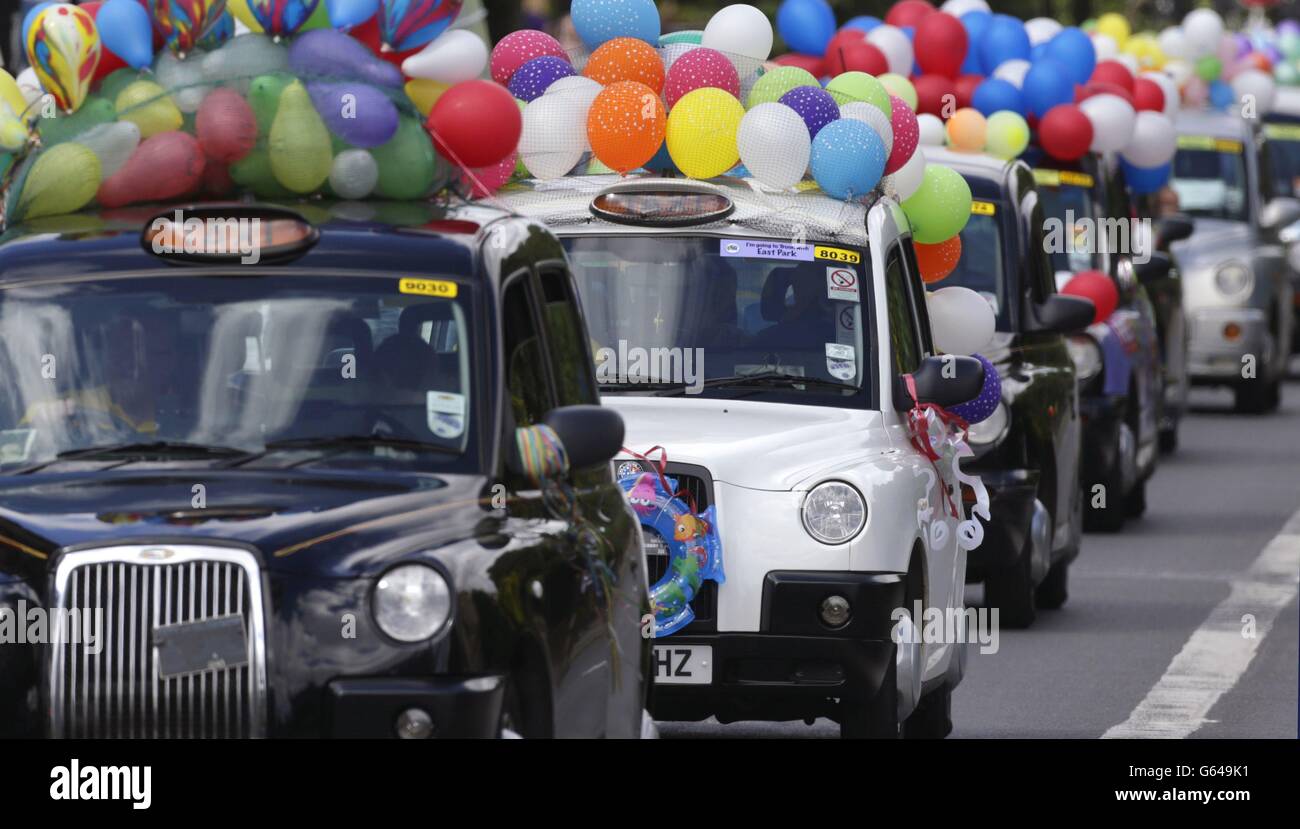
point(762, 378)
point(138, 449)
point(360, 442)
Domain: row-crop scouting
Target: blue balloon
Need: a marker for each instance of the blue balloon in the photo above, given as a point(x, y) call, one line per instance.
point(1005, 39)
point(806, 26)
point(600, 20)
point(345, 14)
point(531, 80)
point(221, 31)
point(126, 31)
point(995, 94)
point(1047, 84)
point(865, 22)
point(848, 158)
point(910, 31)
point(662, 161)
point(1143, 180)
point(1072, 48)
point(975, 23)
point(1037, 52)
point(1221, 95)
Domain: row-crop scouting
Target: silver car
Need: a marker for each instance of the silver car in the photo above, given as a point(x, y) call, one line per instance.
point(1237, 288)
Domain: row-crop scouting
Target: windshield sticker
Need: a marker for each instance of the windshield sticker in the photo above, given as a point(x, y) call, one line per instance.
point(839, 351)
point(842, 284)
point(446, 413)
point(1282, 132)
point(751, 249)
point(16, 444)
point(841, 369)
point(1056, 178)
point(982, 208)
point(848, 318)
point(428, 287)
point(1205, 142)
point(837, 254)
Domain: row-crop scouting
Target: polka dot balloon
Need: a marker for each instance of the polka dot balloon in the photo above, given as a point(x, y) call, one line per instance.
point(847, 158)
point(907, 134)
point(625, 125)
point(535, 77)
point(982, 407)
point(815, 106)
point(699, 68)
point(517, 48)
point(626, 59)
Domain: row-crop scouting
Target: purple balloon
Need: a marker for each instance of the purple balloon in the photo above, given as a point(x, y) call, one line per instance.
point(815, 106)
point(1243, 45)
point(327, 54)
point(982, 407)
point(1288, 27)
point(359, 114)
point(532, 78)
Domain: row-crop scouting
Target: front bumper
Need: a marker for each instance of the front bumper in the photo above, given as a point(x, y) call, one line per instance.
point(1214, 357)
point(460, 707)
point(1011, 507)
point(795, 667)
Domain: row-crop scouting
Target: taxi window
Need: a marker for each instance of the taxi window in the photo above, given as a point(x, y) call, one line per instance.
point(525, 358)
point(564, 337)
point(903, 338)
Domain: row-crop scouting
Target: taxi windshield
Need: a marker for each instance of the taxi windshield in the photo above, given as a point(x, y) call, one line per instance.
point(363, 371)
point(980, 265)
point(1283, 153)
point(1211, 182)
point(1072, 206)
point(725, 315)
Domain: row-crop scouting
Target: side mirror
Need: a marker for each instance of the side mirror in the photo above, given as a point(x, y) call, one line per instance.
point(944, 381)
point(1279, 213)
point(1173, 229)
point(1062, 314)
point(1154, 269)
point(590, 434)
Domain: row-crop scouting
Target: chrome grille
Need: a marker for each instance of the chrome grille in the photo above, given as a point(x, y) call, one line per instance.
point(119, 692)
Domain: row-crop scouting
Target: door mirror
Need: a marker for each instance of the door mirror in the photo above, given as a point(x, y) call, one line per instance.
point(591, 434)
point(1154, 269)
point(1173, 229)
point(1279, 213)
point(1062, 314)
point(946, 380)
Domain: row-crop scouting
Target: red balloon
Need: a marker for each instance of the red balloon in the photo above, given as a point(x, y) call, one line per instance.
point(108, 62)
point(1099, 288)
point(475, 123)
point(908, 13)
point(368, 33)
point(965, 89)
point(225, 126)
point(849, 51)
point(938, 260)
point(1083, 93)
point(930, 92)
point(1148, 95)
point(1065, 132)
point(165, 166)
point(814, 65)
point(940, 44)
point(216, 179)
point(1112, 71)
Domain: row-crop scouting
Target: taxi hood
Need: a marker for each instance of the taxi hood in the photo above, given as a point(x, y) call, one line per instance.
point(757, 445)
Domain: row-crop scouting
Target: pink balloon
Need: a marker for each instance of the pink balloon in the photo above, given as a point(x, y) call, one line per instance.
point(490, 178)
point(517, 48)
point(165, 166)
point(906, 134)
point(225, 126)
point(1195, 92)
point(699, 68)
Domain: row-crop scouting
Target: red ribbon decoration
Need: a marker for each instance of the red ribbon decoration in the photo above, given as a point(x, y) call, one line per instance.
point(918, 425)
point(659, 467)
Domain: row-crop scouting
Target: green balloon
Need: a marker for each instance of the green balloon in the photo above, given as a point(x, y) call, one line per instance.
point(1286, 74)
point(1209, 69)
point(859, 86)
point(408, 165)
point(779, 81)
point(264, 99)
point(118, 80)
point(1290, 45)
point(694, 36)
point(253, 172)
point(95, 110)
point(939, 208)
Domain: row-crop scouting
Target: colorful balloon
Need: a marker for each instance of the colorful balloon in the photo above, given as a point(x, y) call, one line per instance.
point(410, 24)
point(857, 86)
point(344, 14)
point(906, 134)
point(299, 145)
point(815, 105)
point(126, 30)
point(772, 85)
point(476, 124)
point(849, 51)
point(517, 48)
point(165, 166)
point(848, 159)
point(990, 396)
point(534, 77)
point(940, 207)
point(625, 125)
point(183, 23)
point(600, 21)
point(701, 132)
point(281, 18)
point(63, 48)
point(938, 260)
point(701, 67)
point(626, 59)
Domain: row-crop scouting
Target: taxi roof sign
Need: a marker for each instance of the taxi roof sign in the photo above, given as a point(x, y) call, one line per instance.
point(247, 234)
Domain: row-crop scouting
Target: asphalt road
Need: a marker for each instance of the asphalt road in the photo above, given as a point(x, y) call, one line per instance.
point(1153, 623)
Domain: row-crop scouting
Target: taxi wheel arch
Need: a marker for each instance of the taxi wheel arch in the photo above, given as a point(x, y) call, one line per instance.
point(527, 706)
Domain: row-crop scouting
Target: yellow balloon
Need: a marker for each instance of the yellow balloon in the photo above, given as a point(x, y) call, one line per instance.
point(239, 8)
point(149, 107)
point(967, 130)
point(13, 132)
point(63, 179)
point(701, 132)
point(301, 154)
point(63, 48)
point(13, 96)
point(424, 93)
point(1114, 26)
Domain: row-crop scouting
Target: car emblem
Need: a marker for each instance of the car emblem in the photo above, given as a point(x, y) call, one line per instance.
point(156, 554)
point(627, 468)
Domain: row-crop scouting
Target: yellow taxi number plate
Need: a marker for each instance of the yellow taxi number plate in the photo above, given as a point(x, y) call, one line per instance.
point(1205, 142)
point(837, 254)
point(982, 208)
point(428, 287)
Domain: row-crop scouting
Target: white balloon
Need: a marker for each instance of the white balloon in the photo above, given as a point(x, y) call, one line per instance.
point(113, 143)
point(581, 91)
point(1154, 140)
point(455, 55)
point(932, 131)
point(1179, 70)
point(243, 58)
point(1041, 30)
point(962, 321)
point(1203, 28)
point(739, 29)
point(183, 79)
point(908, 178)
point(1112, 120)
point(672, 51)
point(774, 144)
point(1012, 71)
point(1167, 86)
point(1255, 85)
point(1128, 61)
point(896, 47)
point(957, 8)
point(354, 174)
point(29, 85)
point(554, 135)
point(1105, 47)
point(872, 117)
point(1174, 43)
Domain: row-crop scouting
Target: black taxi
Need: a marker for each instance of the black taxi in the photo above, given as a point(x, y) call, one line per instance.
point(308, 470)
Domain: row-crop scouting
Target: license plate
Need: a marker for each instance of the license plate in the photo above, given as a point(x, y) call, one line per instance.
point(193, 647)
point(684, 664)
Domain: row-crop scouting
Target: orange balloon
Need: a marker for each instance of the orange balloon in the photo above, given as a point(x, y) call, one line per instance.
point(967, 130)
point(938, 260)
point(1260, 61)
point(626, 59)
point(625, 125)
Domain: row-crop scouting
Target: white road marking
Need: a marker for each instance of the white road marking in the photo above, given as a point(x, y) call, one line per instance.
point(1217, 654)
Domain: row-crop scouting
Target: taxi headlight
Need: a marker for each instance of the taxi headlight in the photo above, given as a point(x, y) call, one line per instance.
point(412, 602)
point(1233, 279)
point(1086, 355)
point(834, 512)
point(991, 429)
